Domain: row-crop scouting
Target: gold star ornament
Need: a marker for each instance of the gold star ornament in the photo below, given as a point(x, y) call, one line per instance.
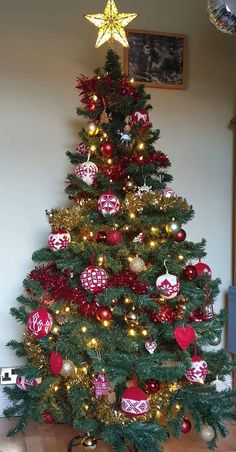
point(111, 24)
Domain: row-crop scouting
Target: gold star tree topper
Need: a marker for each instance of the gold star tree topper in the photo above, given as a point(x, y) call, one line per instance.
point(111, 24)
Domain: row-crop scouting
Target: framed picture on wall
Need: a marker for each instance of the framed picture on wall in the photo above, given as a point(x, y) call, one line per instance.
point(155, 59)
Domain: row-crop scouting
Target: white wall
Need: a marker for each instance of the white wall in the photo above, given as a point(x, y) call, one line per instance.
point(43, 46)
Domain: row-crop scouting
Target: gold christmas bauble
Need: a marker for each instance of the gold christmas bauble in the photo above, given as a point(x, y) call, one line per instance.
point(173, 227)
point(131, 318)
point(207, 433)
point(89, 442)
point(91, 129)
point(68, 368)
point(137, 265)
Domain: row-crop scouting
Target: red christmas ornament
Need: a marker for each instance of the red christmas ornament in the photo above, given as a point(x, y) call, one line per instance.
point(55, 362)
point(107, 149)
point(203, 269)
point(23, 383)
point(180, 236)
point(40, 323)
point(140, 116)
point(134, 402)
point(94, 279)
point(114, 237)
point(108, 204)
point(59, 240)
point(184, 336)
point(101, 237)
point(186, 425)
point(196, 316)
point(47, 417)
point(151, 386)
point(198, 370)
point(103, 313)
point(190, 272)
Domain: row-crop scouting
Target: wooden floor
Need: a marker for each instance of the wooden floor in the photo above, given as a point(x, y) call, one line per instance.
point(55, 438)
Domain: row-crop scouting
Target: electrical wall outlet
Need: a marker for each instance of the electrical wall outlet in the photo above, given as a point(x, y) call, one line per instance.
point(8, 375)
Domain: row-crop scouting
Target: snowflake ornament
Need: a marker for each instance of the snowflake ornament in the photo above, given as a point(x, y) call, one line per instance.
point(198, 370)
point(59, 240)
point(168, 285)
point(87, 172)
point(144, 189)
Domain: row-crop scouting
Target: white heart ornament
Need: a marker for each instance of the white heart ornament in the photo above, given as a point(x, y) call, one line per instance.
point(150, 346)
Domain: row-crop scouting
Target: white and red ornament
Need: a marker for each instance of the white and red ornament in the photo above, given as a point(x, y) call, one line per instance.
point(203, 269)
point(168, 285)
point(40, 322)
point(87, 172)
point(82, 149)
point(140, 116)
point(198, 370)
point(101, 385)
point(23, 383)
point(59, 240)
point(108, 204)
point(151, 346)
point(134, 402)
point(94, 279)
point(139, 238)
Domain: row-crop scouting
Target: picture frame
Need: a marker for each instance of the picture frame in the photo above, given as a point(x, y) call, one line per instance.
point(155, 59)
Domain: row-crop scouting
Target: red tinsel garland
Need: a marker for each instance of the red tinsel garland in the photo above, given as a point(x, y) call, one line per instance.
point(128, 279)
point(154, 157)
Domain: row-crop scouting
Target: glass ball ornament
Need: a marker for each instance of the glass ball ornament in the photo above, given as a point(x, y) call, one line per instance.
point(151, 386)
point(101, 237)
point(190, 272)
point(180, 236)
point(91, 129)
point(186, 425)
point(173, 227)
point(89, 442)
point(68, 368)
point(215, 339)
point(107, 149)
point(207, 433)
point(131, 317)
point(137, 265)
point(103, 313)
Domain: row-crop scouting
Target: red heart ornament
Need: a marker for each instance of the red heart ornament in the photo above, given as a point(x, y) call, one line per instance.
point(184, 336)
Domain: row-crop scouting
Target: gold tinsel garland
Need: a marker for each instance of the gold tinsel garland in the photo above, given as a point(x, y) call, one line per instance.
point(64, 218)
point(136, 203)
point(36, 354)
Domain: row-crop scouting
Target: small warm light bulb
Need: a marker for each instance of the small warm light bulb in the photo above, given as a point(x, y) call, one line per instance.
point(130, 259)
point(132, 80)
point(109, 161)
point(55, 329)
point(141, 146)
point(158, 414)
point(154, 230)
point(84, 369)
point(132, 215)
point(126, 228)
point(57, 311)
point(94, 341)
point(152, 244)
point(56, 388)
point(85, 238)
point(178, 407)
point(144, 332)
point(91, 234)
point(132, 332)
point(141, 158)
point(84, 329)
point(105, 323)
point(180, 257)
point(127, 300)
point(93, 148)
point(95, 98)
point(50, 338)
point(68, 387)
point(86, 407)
point(105, 135)
point(67, 309)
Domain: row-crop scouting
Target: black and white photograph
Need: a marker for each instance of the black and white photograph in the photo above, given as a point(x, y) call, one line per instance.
point(156, 59)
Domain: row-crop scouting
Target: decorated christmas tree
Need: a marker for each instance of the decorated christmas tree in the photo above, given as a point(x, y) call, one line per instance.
point(118, 311)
